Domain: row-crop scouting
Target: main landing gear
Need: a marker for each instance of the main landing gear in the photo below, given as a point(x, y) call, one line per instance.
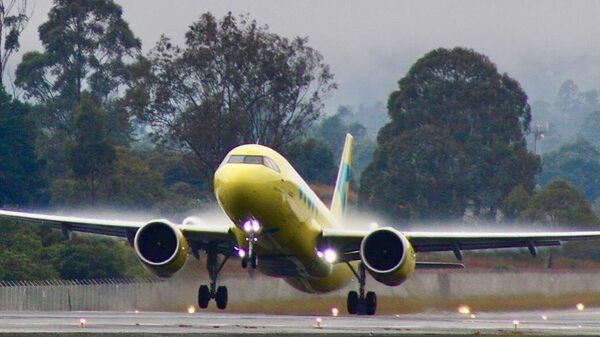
point(208, 292)
point(357, 303)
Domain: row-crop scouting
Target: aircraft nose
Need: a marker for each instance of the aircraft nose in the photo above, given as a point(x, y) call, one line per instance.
point(242, 188)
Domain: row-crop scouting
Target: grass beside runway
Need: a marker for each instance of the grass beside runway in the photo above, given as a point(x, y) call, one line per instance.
point(401, 305)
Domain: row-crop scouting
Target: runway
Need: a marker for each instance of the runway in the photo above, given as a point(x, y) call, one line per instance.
point(559, 323)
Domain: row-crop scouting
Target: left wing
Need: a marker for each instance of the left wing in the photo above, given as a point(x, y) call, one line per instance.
point(196, 234)
point(347, 242)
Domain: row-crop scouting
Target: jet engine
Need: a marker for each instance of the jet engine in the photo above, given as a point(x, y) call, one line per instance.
point(161, 247)
point(388, 256)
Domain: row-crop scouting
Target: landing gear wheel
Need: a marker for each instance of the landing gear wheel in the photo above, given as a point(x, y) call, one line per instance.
point(253, 261)
point(221, 297)
point(245, 262)
point(371, 303)
point(352, 302)
point(203, 296)
point(358, 303)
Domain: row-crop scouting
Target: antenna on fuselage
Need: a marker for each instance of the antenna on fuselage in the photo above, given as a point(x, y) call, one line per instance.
point(258, 141)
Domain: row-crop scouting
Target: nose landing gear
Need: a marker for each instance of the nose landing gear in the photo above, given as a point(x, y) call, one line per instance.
point(251, 227)
point(357, 303)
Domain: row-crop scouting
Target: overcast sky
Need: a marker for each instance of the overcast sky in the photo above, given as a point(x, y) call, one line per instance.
point(371, 44)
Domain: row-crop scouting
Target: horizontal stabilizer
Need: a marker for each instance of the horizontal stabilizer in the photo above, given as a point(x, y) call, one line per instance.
point(439, 265)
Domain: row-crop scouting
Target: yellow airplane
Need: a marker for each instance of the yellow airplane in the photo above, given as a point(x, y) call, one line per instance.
point(280, 226)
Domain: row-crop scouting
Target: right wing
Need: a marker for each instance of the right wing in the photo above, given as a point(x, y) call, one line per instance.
point(198, 236)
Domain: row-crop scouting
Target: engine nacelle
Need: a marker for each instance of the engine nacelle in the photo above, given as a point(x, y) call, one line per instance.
point(388, 256)
point(161, 247)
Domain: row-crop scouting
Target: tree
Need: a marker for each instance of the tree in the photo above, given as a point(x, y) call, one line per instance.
point(561, 204)
point(14, 16)
point(423, 174)
point(91, 155)
point(85, 44)
point(516, 202)
point(590, 127)
point(482, 114)
point(233, 82)
point(21, 171)
point(577, 163)
point(313, 159)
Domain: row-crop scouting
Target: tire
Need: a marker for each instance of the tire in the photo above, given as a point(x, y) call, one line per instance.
point(244, 262)
point(253, 261)
point(371, 303)
point(203, 296)
point(221, 297)
point(352, 302)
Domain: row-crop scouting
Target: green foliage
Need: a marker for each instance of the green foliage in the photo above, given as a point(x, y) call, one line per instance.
point(418, 174)
point(578, 163)
point(21, 183)
point(85, 44)
point(30, 252)
point(516, 202)
point(313, 160)
point(91, 257)
point(561, 204)
point(458, 97)
point(590, 128)
point(14, 17)
point(91, 155)
point(233, 82)
point(132, 183)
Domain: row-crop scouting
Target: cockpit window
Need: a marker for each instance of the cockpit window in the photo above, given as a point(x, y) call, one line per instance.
point(255, 160)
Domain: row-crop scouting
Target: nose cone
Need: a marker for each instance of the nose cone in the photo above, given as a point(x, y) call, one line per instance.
point(244, 190)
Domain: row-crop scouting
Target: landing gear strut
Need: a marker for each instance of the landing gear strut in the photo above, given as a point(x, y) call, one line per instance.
point(206, 293)
point(251, 227)
point(358, 303)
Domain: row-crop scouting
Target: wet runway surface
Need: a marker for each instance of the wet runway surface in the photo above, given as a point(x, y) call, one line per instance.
point(559, 322)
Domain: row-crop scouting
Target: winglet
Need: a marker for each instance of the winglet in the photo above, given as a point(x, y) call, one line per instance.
point(342, 185)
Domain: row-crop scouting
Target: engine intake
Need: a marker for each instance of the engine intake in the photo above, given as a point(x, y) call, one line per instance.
point(161, 247)
point(388, 256)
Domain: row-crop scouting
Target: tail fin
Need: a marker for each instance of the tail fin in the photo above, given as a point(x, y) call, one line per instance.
point(340, 194)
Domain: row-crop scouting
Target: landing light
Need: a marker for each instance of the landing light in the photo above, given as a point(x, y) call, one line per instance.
point(255, 225)
point(580, 306)
point(248, 226)
point(330, 255)
point(334, 312)
point(82, 323)
point(241, 253)
point(191, 309)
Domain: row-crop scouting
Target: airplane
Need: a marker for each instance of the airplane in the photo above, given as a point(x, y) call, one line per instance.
point(280, 227)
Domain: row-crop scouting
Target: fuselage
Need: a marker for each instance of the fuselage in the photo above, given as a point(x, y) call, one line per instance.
point(255, 182)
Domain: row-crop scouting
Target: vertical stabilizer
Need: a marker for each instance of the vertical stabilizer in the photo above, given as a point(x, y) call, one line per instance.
point(342, 184)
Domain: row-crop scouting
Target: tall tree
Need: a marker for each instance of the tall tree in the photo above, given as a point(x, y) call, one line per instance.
point(483, 114)
point(233, 82)
point(21, 180)
point(90, 155)
point(85, 45)
point(14, 16)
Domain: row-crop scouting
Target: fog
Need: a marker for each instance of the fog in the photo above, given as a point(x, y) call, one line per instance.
point(370, 45)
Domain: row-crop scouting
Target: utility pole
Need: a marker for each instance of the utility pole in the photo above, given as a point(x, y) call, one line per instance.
point(539, 130)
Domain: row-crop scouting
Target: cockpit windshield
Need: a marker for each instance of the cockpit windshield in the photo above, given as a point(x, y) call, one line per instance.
point(255, 160)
